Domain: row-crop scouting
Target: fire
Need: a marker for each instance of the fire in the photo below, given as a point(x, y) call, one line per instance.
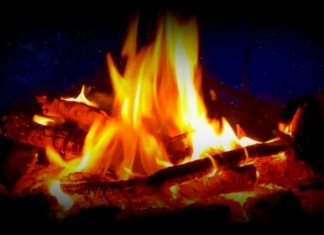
point(82, 98)
point(64, 200)
point(47, 121)
point(157, 94)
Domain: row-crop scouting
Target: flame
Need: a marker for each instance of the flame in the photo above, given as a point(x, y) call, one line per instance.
point(47, 120)
point(64, 200)
point(159, 88)
point(82, 99)
point(157, 94)
point(284, 127)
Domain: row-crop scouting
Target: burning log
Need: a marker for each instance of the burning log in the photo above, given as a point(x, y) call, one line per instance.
point(138, 194)
point(70, 140)
point(176, 148)
point(119, 193)
point(72, 111)
point(227, 160)
point(22, 129)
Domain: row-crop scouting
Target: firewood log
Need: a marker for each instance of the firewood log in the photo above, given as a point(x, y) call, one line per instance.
point(298, 122)
point(69, 140)
point(306, 115)
point(22, 129)
point(176, 148)
point(226, 160)
point(233, 180)
point(138, 194)
point(307, 127)
point(72, 111)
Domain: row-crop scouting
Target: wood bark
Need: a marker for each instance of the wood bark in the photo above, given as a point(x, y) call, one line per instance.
point(24, 130)
point(226, 160)
point(232, 180)
point(72, 111)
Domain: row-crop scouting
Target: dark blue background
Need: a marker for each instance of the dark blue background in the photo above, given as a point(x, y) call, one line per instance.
point(274, 52)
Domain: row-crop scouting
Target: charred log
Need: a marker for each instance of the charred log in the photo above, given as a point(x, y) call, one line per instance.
point(69, 139)
point(307, 127)
point(22, 129)
point(127, 192)
point(72, 111)
point(176, 148)
point(226, 160)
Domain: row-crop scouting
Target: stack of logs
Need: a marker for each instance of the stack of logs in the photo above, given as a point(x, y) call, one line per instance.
point(68, 139)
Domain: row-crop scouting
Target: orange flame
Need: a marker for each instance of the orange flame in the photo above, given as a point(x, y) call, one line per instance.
point(82, 99)
point(47, 120)
point(157, 94)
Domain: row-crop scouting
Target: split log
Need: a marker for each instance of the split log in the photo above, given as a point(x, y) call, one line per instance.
point(22, 129)
point(226, 160)
point(72, 111)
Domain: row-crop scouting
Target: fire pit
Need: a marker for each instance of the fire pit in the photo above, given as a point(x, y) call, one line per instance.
point(156, 151)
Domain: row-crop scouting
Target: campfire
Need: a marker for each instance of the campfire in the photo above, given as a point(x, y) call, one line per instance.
point(151, 151)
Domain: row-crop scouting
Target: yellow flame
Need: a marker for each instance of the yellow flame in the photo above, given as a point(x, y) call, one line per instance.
point(174, 189)
point(284, 127)
point(157, 94)
point(240, 197)
point(47, 120)
point(82, 99)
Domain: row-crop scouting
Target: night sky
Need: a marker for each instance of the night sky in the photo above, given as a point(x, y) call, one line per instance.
point(54, 50)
